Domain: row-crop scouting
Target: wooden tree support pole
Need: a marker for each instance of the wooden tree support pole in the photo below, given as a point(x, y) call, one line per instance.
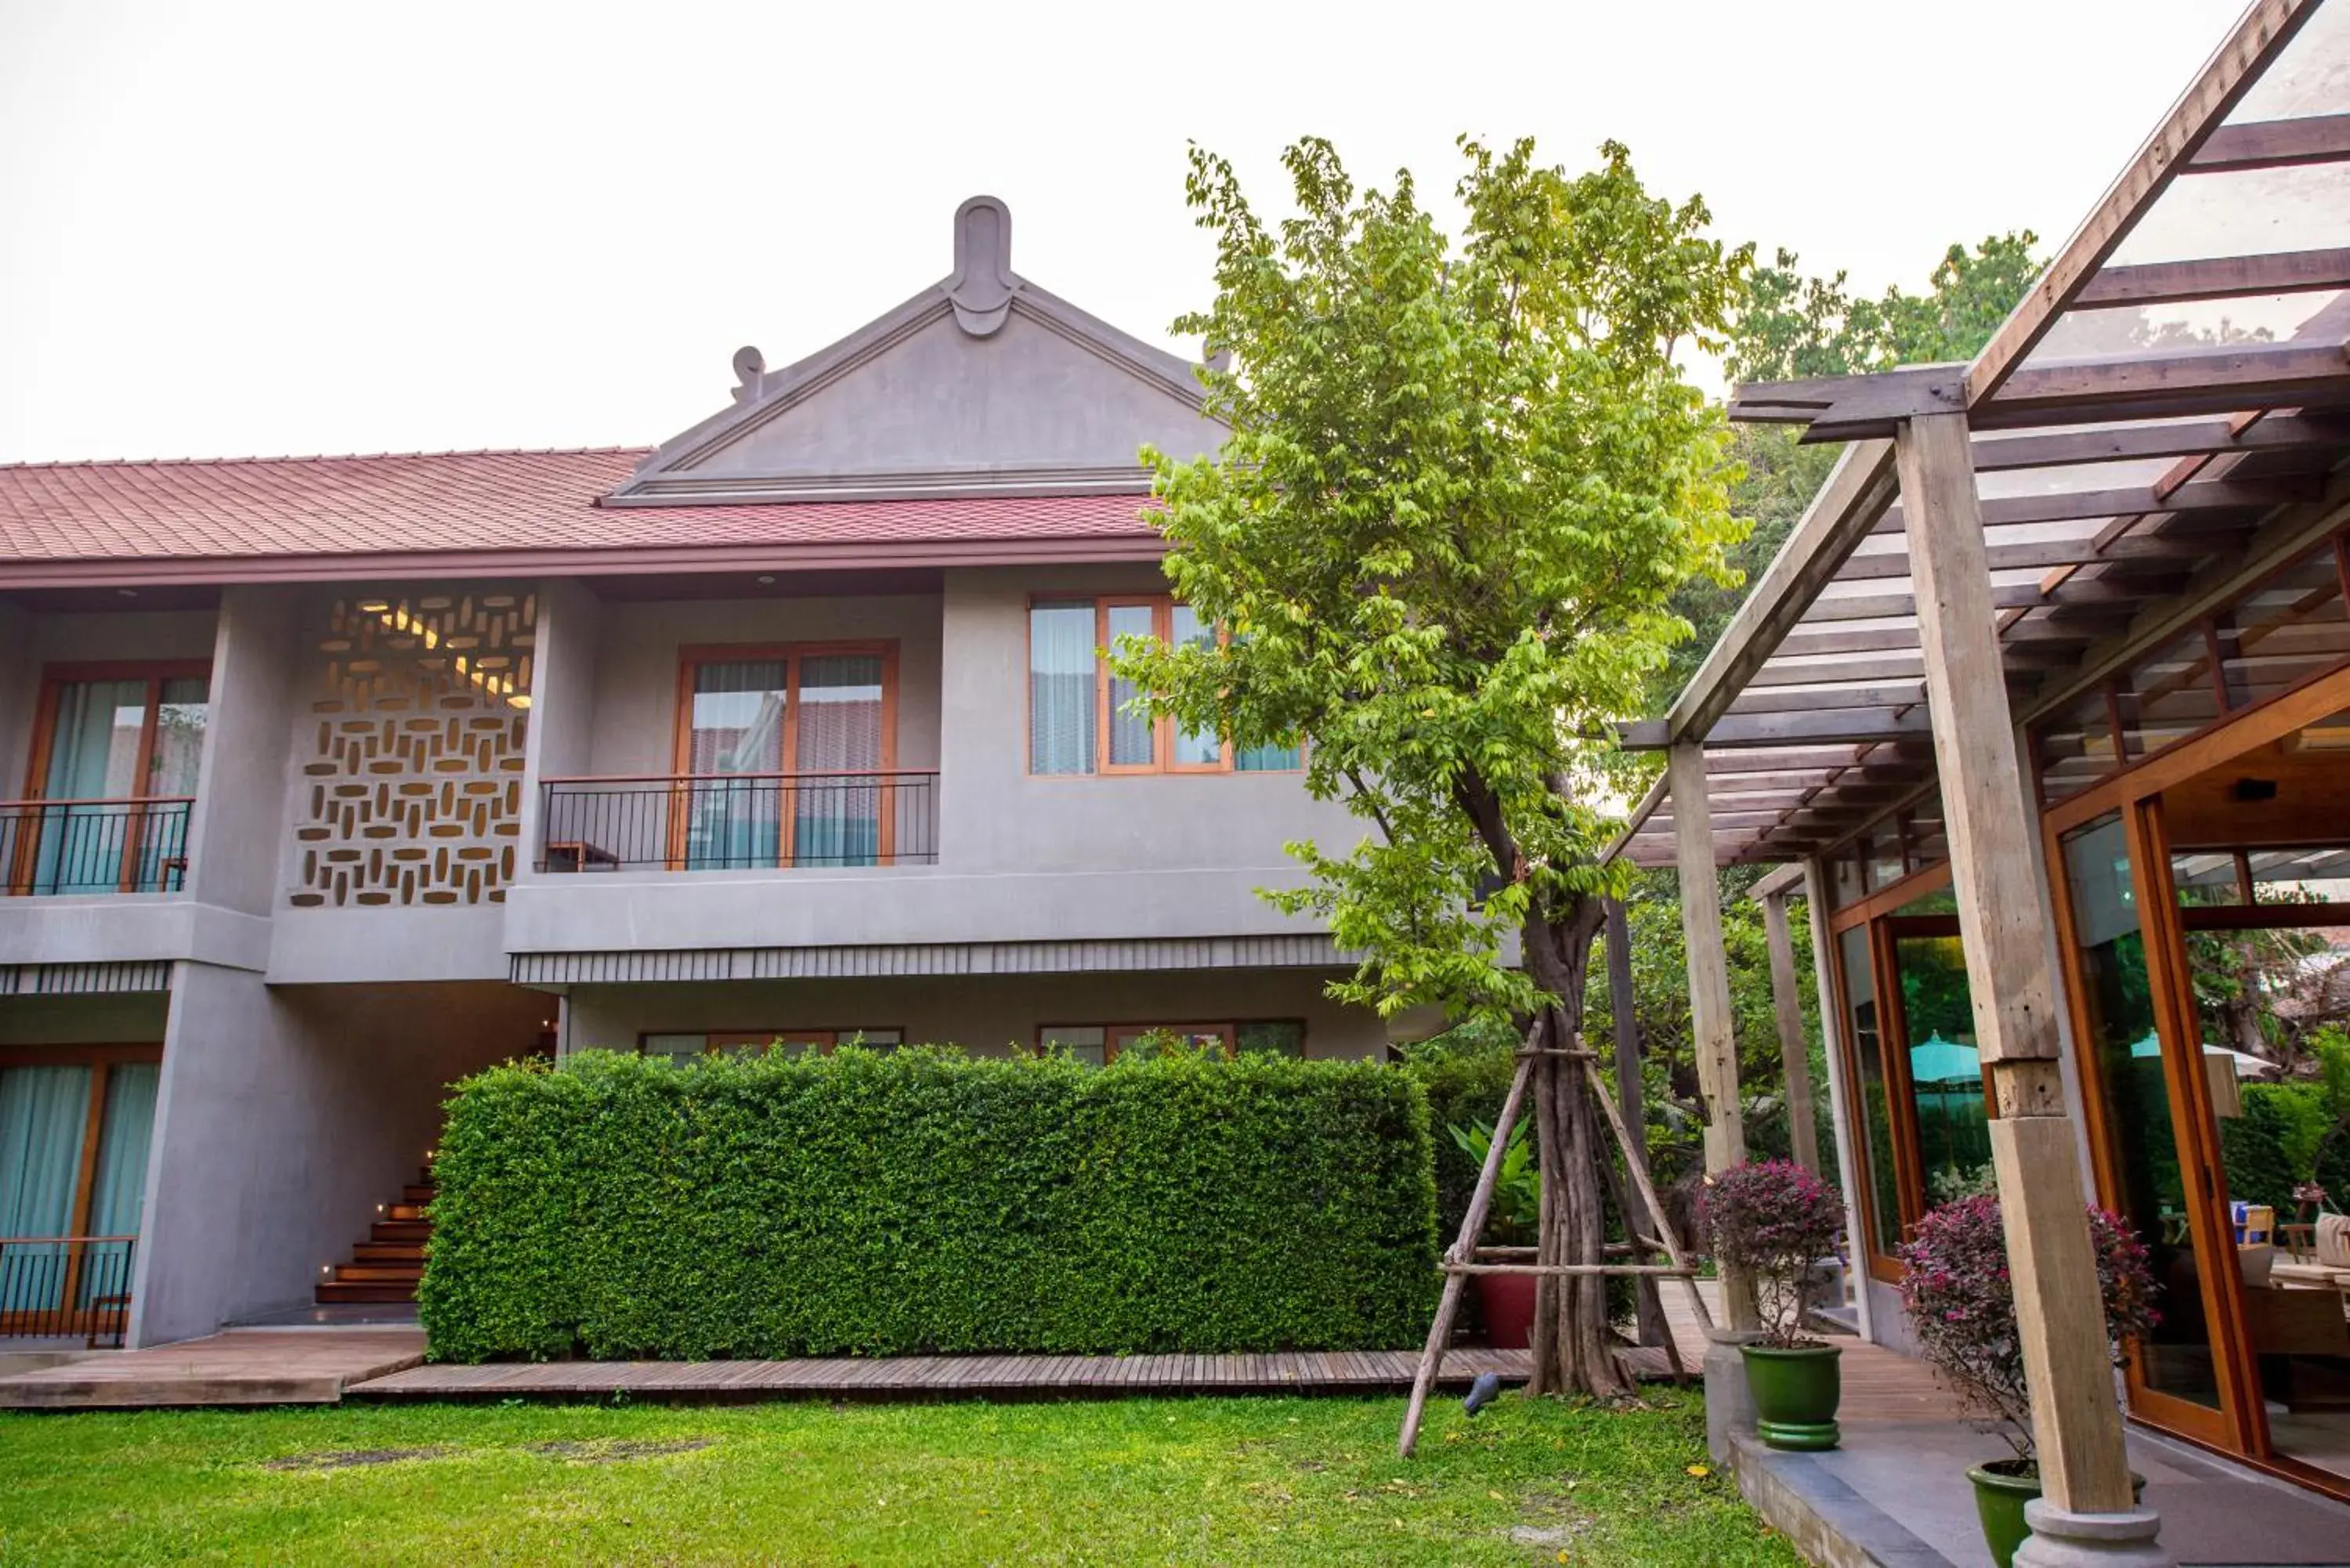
point(1480, 1199)
point(1638, 1164)
point(1623, 1009)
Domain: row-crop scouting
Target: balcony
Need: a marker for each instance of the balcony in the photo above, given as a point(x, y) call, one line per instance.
point(739, 822)
point(53, 848)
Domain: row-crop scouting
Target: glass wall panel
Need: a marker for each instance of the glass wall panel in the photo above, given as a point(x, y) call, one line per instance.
point(2077, 748)
point(1877, 1155)
point(2137, 1115)
point(2291, 627)
point(2168, 696)
point(1946, 1078)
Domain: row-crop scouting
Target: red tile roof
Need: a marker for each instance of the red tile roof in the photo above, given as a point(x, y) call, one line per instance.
point(93, 521)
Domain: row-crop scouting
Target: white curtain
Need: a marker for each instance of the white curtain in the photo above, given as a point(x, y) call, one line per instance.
point(1061, 672)
point(837, 821)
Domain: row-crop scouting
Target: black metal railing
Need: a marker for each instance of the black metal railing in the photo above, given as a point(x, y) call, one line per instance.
point(65, 847)
point(60, 1287)
point(739, 822)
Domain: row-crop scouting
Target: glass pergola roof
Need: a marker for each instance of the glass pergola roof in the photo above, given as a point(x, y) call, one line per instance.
point(2168, 411)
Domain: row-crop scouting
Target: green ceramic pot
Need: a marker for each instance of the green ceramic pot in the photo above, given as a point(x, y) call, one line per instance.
point(2001, 1489)
point(1796, 1392)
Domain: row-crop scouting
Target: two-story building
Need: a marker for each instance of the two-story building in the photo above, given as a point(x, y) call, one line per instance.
point(338, 778)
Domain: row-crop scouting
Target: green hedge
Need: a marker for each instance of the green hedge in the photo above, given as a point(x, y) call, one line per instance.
point(920, 1200)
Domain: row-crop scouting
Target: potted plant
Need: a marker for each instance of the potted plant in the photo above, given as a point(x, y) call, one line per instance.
point(1777, 1221)
point(1961, 1309)
point(1512, 1218)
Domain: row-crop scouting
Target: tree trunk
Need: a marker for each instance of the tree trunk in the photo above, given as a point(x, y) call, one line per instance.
point(1558, 955)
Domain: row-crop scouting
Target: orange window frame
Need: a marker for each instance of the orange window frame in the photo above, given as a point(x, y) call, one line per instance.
point(1163, 729)
point(692, 656)
point(102, 1060)
point(1118, 1037)
point(54, 679)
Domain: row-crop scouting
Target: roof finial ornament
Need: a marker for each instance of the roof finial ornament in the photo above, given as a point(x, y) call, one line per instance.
point(750, 373)
point(983, 285)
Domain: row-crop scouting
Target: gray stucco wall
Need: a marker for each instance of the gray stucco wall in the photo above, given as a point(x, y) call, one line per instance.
point(29, 643)
point(635, 724)
point(987, 1014)
point(283, 1117)
point(134, 1018)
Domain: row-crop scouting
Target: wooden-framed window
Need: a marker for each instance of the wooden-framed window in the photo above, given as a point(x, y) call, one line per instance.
point(687, 1045)
point(786, 756)
point(1099, 1044)
point(74, 1125)
point(1082, 719)
point(115, 755)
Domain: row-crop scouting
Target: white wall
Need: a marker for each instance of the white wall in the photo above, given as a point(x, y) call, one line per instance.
point(989, 1014)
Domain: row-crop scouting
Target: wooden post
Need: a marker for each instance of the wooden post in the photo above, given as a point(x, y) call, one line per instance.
point(2083, 1469)
point(1795, 1051)
point(1713, 1037)
point(1652, 1328)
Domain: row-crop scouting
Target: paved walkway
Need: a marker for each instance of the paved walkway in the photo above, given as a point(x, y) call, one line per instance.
point(240, 1366)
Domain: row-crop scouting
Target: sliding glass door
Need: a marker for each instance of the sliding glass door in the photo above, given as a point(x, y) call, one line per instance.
point(115, 766)
point(786, 757)
point(74, 1125)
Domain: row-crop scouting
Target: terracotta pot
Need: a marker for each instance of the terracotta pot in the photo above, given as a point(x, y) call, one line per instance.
point(1508, 1301)
point(1797, 1390)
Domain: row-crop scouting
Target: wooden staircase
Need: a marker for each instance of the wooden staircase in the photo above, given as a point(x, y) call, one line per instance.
point(388, 1265)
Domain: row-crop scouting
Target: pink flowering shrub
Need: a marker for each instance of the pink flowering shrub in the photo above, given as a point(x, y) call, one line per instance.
point(1961, 1306)
point(1775, 1221)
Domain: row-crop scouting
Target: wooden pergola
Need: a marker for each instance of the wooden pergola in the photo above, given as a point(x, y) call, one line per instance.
point(2161, 420)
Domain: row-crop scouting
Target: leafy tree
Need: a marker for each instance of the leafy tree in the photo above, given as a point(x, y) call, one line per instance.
point(1792, 325)
point(1795, 325)
point(1463, 481)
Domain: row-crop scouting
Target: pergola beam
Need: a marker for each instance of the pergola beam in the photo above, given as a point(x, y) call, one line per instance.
point(2218, 278)
point(1839, 516)
point(2259, 37)
point(2065, 448)
point(2201, 495)
point(2273, 144)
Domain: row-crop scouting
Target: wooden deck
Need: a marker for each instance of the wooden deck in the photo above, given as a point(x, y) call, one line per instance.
point(242, 1367)
point(940, 1376)
point(324, 1365)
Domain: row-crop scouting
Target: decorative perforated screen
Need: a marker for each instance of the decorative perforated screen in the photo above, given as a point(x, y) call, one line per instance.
point(412, 754)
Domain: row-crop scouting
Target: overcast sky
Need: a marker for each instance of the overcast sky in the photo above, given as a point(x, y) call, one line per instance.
point(239, 228)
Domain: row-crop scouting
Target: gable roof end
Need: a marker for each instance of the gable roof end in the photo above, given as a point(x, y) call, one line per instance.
point(982, 384)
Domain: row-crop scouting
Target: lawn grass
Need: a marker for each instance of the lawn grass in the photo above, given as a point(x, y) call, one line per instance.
point(1241, 1481)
